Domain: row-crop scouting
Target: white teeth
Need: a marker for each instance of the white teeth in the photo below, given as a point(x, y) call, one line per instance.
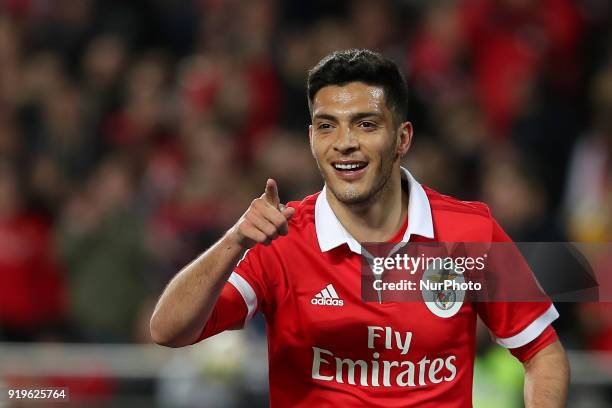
point(347, 166)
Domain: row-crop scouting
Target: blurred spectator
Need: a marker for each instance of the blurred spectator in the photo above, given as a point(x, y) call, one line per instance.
point(544, 128)
point(511, 43)
point(286, 157)
point(589, 190)
point(328, 35)
point(32, 294)
point(102, 241)
point(103, 68)
point(10, 74)
point(143, 118)
point(431, 164)
point(247, 104)
point(63, 27)
point(588, 200)
point(10, 145)
point(513, 189)
point(460, 124)
point(437, 56)
point(293, 61)
point(374, 25)
point(595, 320)
point(208, 198)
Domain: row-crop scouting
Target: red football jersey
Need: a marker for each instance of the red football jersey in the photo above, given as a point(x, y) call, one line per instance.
point(327, 346)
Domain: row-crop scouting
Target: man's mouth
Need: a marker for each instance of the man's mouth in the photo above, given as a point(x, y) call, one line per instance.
point(349, 169)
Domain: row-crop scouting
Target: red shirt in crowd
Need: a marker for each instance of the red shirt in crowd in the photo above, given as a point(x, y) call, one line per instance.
point(32, 292)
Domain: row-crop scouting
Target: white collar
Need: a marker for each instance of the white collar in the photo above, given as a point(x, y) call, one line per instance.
point(332, 234)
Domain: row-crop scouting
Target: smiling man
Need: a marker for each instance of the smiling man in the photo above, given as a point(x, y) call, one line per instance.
point(299, 265)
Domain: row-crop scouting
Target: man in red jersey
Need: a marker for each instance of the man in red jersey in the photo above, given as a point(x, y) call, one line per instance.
point(299, 265)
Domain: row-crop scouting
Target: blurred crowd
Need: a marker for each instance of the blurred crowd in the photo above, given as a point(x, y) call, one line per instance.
point(134, 133)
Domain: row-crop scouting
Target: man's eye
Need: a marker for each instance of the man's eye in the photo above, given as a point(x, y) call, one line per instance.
point(324, 126)
point(367, 125)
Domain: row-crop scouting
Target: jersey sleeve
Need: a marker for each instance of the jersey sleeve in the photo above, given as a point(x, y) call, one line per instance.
point(229, 313)
point(242, 296)
point(516, 324)
point(546, 338)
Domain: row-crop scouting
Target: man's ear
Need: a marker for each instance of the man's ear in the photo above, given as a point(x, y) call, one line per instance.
point(404, 139)
point(310, 135)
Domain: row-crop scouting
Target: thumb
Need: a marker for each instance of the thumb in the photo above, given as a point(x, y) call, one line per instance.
point(271, 193)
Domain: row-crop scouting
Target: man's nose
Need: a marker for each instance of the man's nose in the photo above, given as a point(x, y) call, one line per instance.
point(346, 141)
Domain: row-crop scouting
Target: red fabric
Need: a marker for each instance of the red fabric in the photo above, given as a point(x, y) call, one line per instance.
point(597, 317)
point(264, 108)
point(512, 46)
point(507, 319)
point(602, 341)
point(312, 342)
point(32, 291)
point(16, 8)
point(229, 313)
point(262, 90)
point(201, 86)
point(526, 352)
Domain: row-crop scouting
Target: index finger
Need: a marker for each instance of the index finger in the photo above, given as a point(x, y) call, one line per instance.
point(271, 194)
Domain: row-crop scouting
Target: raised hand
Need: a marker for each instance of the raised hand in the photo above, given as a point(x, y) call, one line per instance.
point(264, 220)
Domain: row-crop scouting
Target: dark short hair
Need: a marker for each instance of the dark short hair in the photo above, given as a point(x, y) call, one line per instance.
point(369, 67)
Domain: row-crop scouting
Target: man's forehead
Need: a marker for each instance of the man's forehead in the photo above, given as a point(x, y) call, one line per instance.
point(353, 93)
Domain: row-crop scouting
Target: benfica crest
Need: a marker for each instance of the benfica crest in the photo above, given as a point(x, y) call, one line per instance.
point(440, 292)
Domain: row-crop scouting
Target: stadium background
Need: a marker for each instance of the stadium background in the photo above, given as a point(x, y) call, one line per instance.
point(133, 133)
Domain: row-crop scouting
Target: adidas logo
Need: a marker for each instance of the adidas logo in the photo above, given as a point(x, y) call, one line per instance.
point(327, 297)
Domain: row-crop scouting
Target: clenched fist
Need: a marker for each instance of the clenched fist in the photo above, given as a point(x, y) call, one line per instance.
point(264, 220)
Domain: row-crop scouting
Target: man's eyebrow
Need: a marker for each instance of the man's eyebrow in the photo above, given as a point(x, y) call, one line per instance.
point(325, 116)
point(363, 115)
point(354, 117)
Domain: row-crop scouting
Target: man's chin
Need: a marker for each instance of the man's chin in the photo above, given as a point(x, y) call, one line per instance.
point(350, 196)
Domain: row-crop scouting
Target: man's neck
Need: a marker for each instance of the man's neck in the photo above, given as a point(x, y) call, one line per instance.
point(380, 219)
